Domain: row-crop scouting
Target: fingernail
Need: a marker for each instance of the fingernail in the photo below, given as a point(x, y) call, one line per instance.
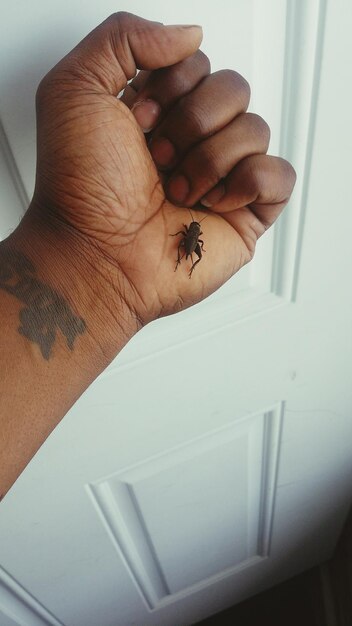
point(184, 26)
point(162, 151)
point(146, 113)
point(214, 196)
point(178, 188)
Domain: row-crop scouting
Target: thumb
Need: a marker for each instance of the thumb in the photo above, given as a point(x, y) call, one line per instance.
point(111, 54)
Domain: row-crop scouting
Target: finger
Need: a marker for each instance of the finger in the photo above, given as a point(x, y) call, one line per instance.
point(256, 192)
point(138, 82)
point(146, 112)
point(129, 94)
point(165, 87)
point(168, 84)
point(213, 104)
point(212, 160)
point(261, 182)
point(109, 56)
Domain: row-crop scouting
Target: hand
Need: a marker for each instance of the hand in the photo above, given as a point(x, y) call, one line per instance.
point(96, 180)
point(92, 260)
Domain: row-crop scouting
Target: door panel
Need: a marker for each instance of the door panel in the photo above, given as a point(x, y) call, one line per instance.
point(187, 494)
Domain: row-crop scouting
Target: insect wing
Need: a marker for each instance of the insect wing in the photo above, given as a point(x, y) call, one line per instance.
point(192, 237)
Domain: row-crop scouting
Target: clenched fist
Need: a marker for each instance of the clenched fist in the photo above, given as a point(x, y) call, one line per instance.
point(116, 174)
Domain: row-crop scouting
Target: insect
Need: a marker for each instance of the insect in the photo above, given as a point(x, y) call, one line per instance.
point(190, 242)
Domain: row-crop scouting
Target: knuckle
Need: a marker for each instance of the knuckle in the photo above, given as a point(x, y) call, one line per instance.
point(194, 117)
point(244, 88)
point(118, 25)
point(203, 61)
point(45, 87)
point(209, 164)
point(181, 78)
point(259, 126)
point(119, 16)
point(239, 83)
point(288, 174)
point(251, 242)
point(41, 90)
point(253, 175)
point(290, 171)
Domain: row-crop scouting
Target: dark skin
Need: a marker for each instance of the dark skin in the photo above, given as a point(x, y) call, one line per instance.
point(45, 310)
point(92, 260)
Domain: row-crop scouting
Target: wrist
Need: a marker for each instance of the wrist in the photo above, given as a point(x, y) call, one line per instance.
point(57, 333)
point(75, 293)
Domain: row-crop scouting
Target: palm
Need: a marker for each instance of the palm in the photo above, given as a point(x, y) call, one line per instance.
point(154, 254)
point(116, 198)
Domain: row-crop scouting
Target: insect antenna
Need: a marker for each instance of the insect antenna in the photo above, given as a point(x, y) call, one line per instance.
point(191, 214)
point(202, 220)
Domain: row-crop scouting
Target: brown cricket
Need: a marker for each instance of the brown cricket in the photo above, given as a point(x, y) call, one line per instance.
point(190, 242)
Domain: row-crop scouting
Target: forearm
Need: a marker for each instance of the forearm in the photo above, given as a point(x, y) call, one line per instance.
point(93, 260)
point(61, 323)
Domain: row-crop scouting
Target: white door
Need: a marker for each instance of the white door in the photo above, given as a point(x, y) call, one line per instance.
point(214, 457)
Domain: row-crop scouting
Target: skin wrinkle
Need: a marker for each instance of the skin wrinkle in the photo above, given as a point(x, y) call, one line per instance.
point(115, 309)
point(81, 199)
point(140, 223)
point(109, 275)
point(100, 71)
point(127, 162)
point(138, 297)
point(83, 73)
point(121, 50)
point(106, 184)
point(73, 200)
point(250, 238)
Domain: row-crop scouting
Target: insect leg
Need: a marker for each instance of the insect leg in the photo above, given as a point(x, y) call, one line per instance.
point(180, 232)
point(202, 244)
point(179, 258)
point(198, 251)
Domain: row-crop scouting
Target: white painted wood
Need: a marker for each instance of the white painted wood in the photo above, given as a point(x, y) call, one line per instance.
point(227, 426)
point(305, 23)
point(7, 620)
point(18, 607)
point(13, 200)
point(193, 488)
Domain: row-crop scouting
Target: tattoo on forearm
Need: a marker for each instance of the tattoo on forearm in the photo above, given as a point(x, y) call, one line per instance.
point(45, 311)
